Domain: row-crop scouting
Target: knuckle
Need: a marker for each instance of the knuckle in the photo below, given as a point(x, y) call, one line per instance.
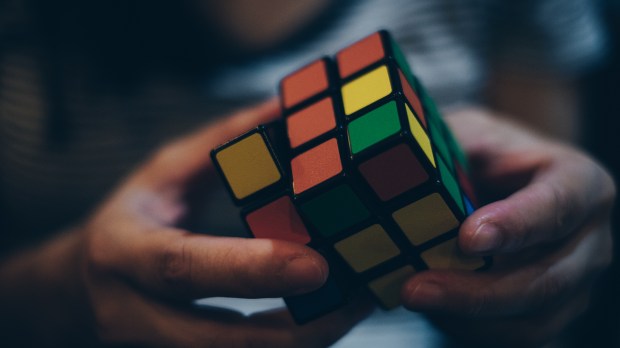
point(255, 285)
point(175, 266)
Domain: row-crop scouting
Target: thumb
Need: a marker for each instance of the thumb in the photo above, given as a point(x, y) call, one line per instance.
point(179, 161)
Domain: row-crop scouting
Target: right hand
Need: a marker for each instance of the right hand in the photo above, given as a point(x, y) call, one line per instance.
point(141, 273)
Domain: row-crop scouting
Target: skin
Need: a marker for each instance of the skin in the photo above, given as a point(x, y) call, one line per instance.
point(131, 274)
point(548, 229)
point(243, 24)
point(127, 273)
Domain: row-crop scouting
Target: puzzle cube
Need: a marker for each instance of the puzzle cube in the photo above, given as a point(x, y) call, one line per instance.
point(367, 173)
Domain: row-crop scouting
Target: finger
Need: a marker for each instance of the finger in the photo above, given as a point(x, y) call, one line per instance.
point(179, 161)
point(275, 329)
point(532, 330)
point(526, 286)
point(124, 316)
point(557, 188)
point(563, 195)
point(481, 132)
point(178, 264)
point(321, 332)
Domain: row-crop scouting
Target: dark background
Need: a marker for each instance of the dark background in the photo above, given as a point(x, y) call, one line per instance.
point(602, 122)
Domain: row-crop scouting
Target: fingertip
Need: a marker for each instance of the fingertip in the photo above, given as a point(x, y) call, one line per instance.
point(442, 290)
point(481, 239)
point(422, 293)
point(304, 268)
point(305, 273)
point(484, 232)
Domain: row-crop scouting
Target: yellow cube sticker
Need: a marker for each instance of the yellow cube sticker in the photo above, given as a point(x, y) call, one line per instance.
point(366, 90)
point(248, 166)
point(420, 135)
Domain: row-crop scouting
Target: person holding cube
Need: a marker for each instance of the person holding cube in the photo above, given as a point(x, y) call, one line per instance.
point(364, 175)
point(115, 228)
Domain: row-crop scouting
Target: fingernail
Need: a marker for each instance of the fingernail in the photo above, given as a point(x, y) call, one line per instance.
point(304, 274)
point(486, 238)
point(426, 295)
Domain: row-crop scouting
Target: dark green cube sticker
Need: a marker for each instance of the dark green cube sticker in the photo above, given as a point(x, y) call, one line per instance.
point(335, 210)
point(450, 184)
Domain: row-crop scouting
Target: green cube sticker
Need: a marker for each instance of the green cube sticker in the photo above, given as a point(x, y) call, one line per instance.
point(373, 127)
point(335, 210)
point(450, 184)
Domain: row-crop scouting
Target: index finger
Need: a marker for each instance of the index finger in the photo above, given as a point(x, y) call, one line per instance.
point(176, 264)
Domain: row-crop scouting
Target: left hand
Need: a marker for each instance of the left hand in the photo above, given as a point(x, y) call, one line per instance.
point(549, 234)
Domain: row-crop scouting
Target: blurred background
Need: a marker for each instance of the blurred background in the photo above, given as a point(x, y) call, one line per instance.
point(602, 94)
point(125, 55)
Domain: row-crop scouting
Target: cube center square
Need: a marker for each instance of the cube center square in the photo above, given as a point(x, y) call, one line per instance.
point(335, 211)
point(311, 122)
point(316, 166)
point(248, 166)
point(374, 126)
point(366, 90)
point(361, 168)
point(393, 172)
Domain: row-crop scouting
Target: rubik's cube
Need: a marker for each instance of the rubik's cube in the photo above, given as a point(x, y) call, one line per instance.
point(361, 168)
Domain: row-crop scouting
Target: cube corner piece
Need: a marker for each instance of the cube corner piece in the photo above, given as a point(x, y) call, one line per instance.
point(249, 166)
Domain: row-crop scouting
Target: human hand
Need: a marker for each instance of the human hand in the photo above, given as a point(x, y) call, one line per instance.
point(548, 231)
point(142, 272)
